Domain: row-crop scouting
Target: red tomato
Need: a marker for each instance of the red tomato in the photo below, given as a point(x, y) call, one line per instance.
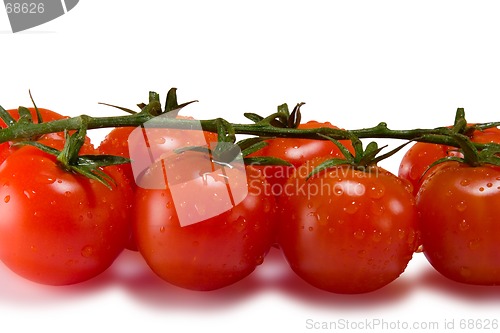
point(47, 115)
point(58, 227)
point(416, 162)
point(345, 230)
point(459, 210)
point(208, 225)
point(148, 143)
point(296, 152)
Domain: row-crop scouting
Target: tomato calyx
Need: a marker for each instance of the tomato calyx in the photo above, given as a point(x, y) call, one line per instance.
point(362, 159)
point(69, 159)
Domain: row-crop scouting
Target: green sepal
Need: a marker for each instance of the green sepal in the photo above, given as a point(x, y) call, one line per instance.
point(38, 114)
point(345, 152)
point(251, 145)
point(331, 163)
point(253, 117)
point(6, 117)
point(120, 108)
point(24, 115)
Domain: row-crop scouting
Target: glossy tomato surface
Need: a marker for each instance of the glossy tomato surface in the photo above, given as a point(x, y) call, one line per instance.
point(297, 152)
point(58, 227)
point(209, 226)
point(415, 164)
point(459, 219)
point(347, 231)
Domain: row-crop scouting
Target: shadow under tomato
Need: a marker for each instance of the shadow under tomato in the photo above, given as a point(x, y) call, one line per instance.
point(273, 275)
point(431, 279)
point(17, 290)
point(144, 286)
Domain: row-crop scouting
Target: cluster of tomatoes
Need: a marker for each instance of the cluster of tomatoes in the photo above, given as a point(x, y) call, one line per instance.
point(203, 224)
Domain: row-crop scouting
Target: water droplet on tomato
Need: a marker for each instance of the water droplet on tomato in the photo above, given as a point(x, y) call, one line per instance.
point(6, 199)
point(241, 223)
point(481, 189)
point(259, 260)
point(463, 225)
point(87, 251)
point(351, 208)
point(162, 229)
point(401, 233)
point(359, 234)
point(309, 205)
point(461, 206)
point(465, 271)
point(464, 182)
point(331, 230)
point(489, 185)
point(310, 229)
point(67, 193)
point(377, 192)
point(377, 236)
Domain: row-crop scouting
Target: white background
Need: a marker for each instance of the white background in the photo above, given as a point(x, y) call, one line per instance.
point(354, 63)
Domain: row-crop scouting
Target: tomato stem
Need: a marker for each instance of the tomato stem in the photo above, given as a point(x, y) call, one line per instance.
point(280, 124)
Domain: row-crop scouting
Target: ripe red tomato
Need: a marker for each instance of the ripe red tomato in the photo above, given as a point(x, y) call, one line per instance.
point(415, 163)
point(147, 145)
point(208, 226)
point(297, 152)
point(58, 227)
point(345, 230)
point(47, 115)
point(459, 210)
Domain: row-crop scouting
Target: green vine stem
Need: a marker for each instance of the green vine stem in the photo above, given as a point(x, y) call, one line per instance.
point(263, 127)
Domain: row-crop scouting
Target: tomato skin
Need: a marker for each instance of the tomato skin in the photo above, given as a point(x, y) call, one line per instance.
point(458, 216)
point(348, 231)
point(218, 250)
point(57, 227)
point(121, 141)
point(47, 115)
point(415, 164)
point(297, 152)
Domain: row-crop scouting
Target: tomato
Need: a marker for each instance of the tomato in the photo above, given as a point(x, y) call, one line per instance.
point(58, 227)
point(46, 114)
point(345, 230)
point(416, 162)
point(458, 216)
point(297, 152)
point(146, 145)
point(208, 226)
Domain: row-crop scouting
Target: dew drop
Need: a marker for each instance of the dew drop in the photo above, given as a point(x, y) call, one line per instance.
point(162, 229)
point(259, 260)
point(465, 182)
point(481, 189)
point(401, 233)
point(360, 234)
point(169, 204)
point(331, 230)
point(377, 192)
point(377, 236)
point(6, 199)
point(67, 193)
point(489, 185)
point(465, 271)
point(464, 225)
point(310, 229)
point(461, 206)
point(352, 208)
point(87, 251)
